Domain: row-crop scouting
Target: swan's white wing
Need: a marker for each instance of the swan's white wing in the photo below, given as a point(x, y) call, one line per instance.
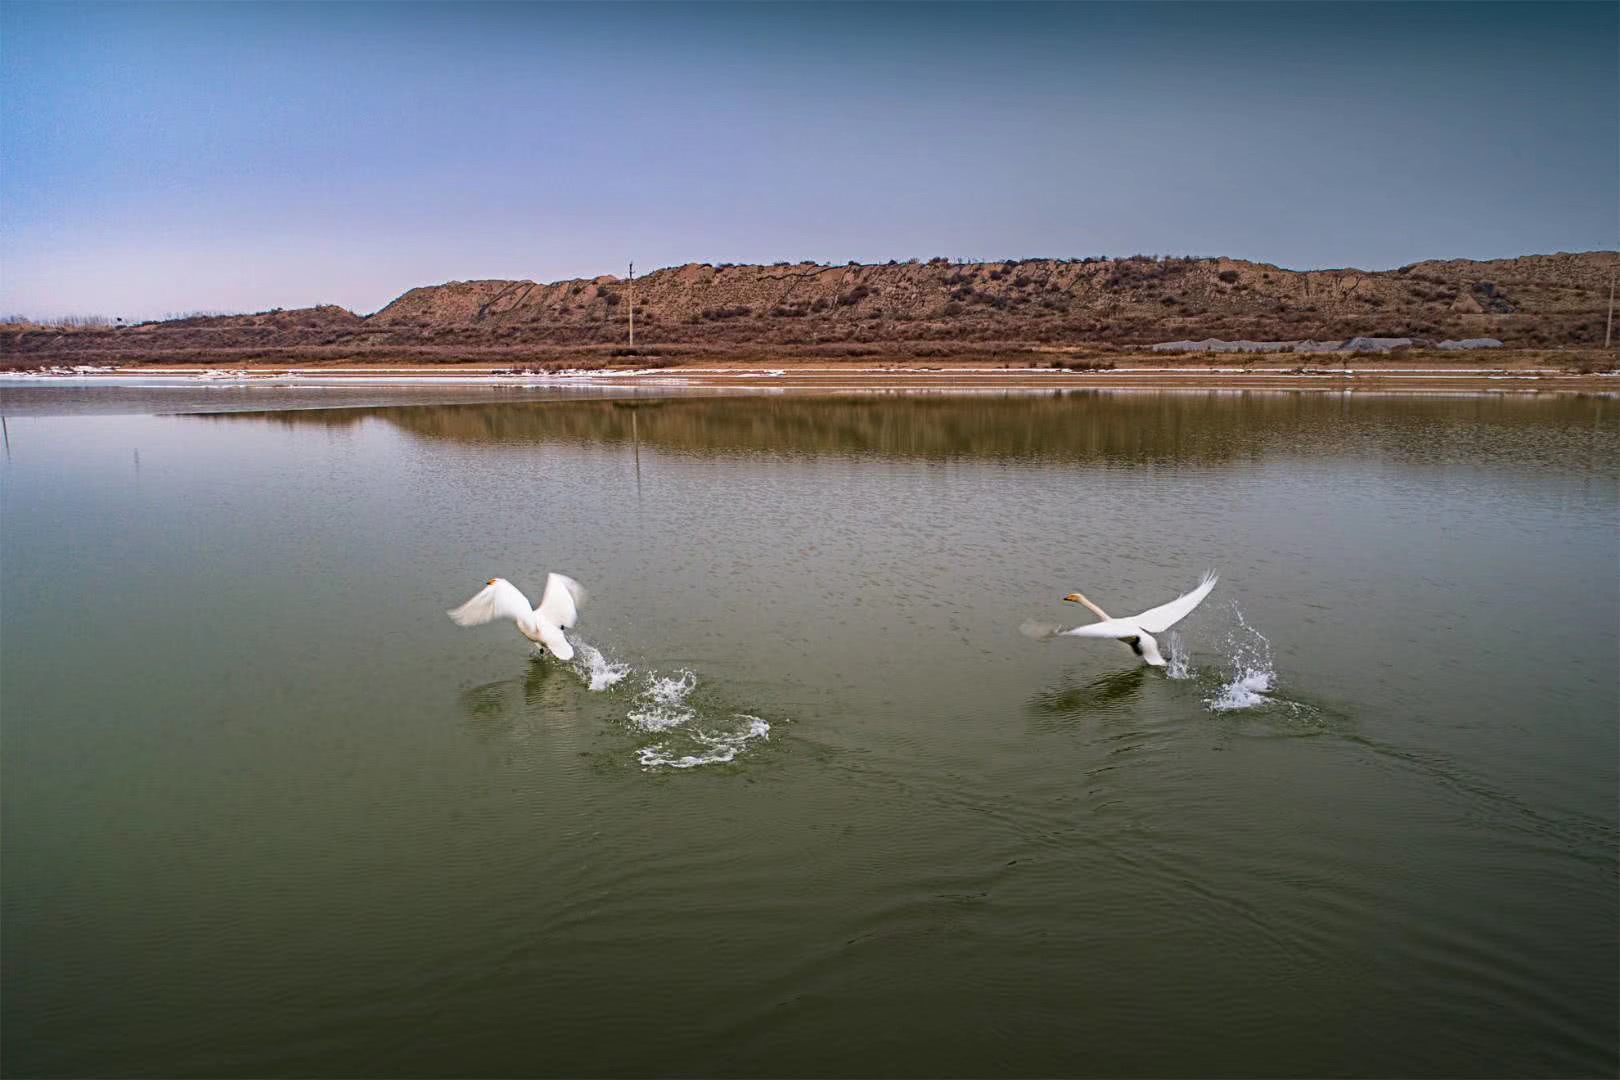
point(1158, 620)
point(561, 601)
point(499, 600)
point(1108, 628)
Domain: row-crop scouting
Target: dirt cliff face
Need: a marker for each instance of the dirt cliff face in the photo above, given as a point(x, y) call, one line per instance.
point(904, 308)
point(1538, 300)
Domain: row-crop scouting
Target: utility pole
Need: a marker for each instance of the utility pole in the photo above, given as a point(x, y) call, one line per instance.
point(632, 305)
point(1609, 329)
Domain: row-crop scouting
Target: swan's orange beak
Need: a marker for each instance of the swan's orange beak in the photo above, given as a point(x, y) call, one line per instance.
point(492, 581)
point(1072, 598)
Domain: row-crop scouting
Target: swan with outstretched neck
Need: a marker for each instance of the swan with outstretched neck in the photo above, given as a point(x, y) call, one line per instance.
point(1135, 631)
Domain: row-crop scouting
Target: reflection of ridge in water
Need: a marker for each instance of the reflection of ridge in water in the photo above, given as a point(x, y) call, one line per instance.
point(1209, 427)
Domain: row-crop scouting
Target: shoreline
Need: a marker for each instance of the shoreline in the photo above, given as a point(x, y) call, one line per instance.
point(845, 377)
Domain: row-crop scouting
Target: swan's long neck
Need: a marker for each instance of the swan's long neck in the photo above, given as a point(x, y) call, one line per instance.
point(1099, 612)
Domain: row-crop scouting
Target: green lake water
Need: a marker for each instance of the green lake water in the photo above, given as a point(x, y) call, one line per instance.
point(808, 803)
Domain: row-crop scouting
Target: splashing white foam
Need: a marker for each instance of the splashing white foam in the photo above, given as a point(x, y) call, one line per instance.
point(662, 705)
point(1253, 676)
point(1179, 666)
point(1244, 692)
point(597, 670)
point(715, 747)
point(669, 689)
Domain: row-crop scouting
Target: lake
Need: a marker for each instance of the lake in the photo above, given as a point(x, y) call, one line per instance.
point(808, 803)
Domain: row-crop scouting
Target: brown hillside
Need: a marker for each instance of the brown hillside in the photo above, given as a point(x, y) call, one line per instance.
point(910, 308)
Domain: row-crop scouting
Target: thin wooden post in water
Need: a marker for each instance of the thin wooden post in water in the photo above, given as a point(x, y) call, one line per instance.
point(632, 305)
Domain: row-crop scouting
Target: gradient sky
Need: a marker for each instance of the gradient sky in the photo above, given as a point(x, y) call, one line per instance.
point(159, 158)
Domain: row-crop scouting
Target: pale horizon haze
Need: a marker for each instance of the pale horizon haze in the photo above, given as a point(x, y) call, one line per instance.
point(166, 158)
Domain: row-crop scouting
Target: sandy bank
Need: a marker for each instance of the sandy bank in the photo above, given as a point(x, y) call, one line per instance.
point(1382, 376)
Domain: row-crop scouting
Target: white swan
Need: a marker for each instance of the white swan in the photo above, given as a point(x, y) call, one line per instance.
point(544, 625)
point(1136, 630)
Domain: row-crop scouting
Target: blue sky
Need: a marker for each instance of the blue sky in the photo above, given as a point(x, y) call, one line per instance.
point(160, 158)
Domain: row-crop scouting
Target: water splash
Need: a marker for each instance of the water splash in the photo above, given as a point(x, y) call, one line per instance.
point(1252, 673)
point(662, 705)
point(691, 733)
point(597, 670)
point(712, 747)
point(1180, 665)
point(1244, 692)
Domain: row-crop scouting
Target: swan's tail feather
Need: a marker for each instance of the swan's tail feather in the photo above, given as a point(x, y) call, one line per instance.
point(554, 640)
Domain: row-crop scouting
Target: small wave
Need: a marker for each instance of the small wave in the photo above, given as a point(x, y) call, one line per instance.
point(1252, 674)
point(713, 747)
point(597, 670)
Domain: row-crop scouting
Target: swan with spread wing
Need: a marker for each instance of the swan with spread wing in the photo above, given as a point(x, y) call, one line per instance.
point(543, 625)
point(1135, 631)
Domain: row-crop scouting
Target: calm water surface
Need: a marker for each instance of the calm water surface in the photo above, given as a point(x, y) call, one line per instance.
point(809, 804)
